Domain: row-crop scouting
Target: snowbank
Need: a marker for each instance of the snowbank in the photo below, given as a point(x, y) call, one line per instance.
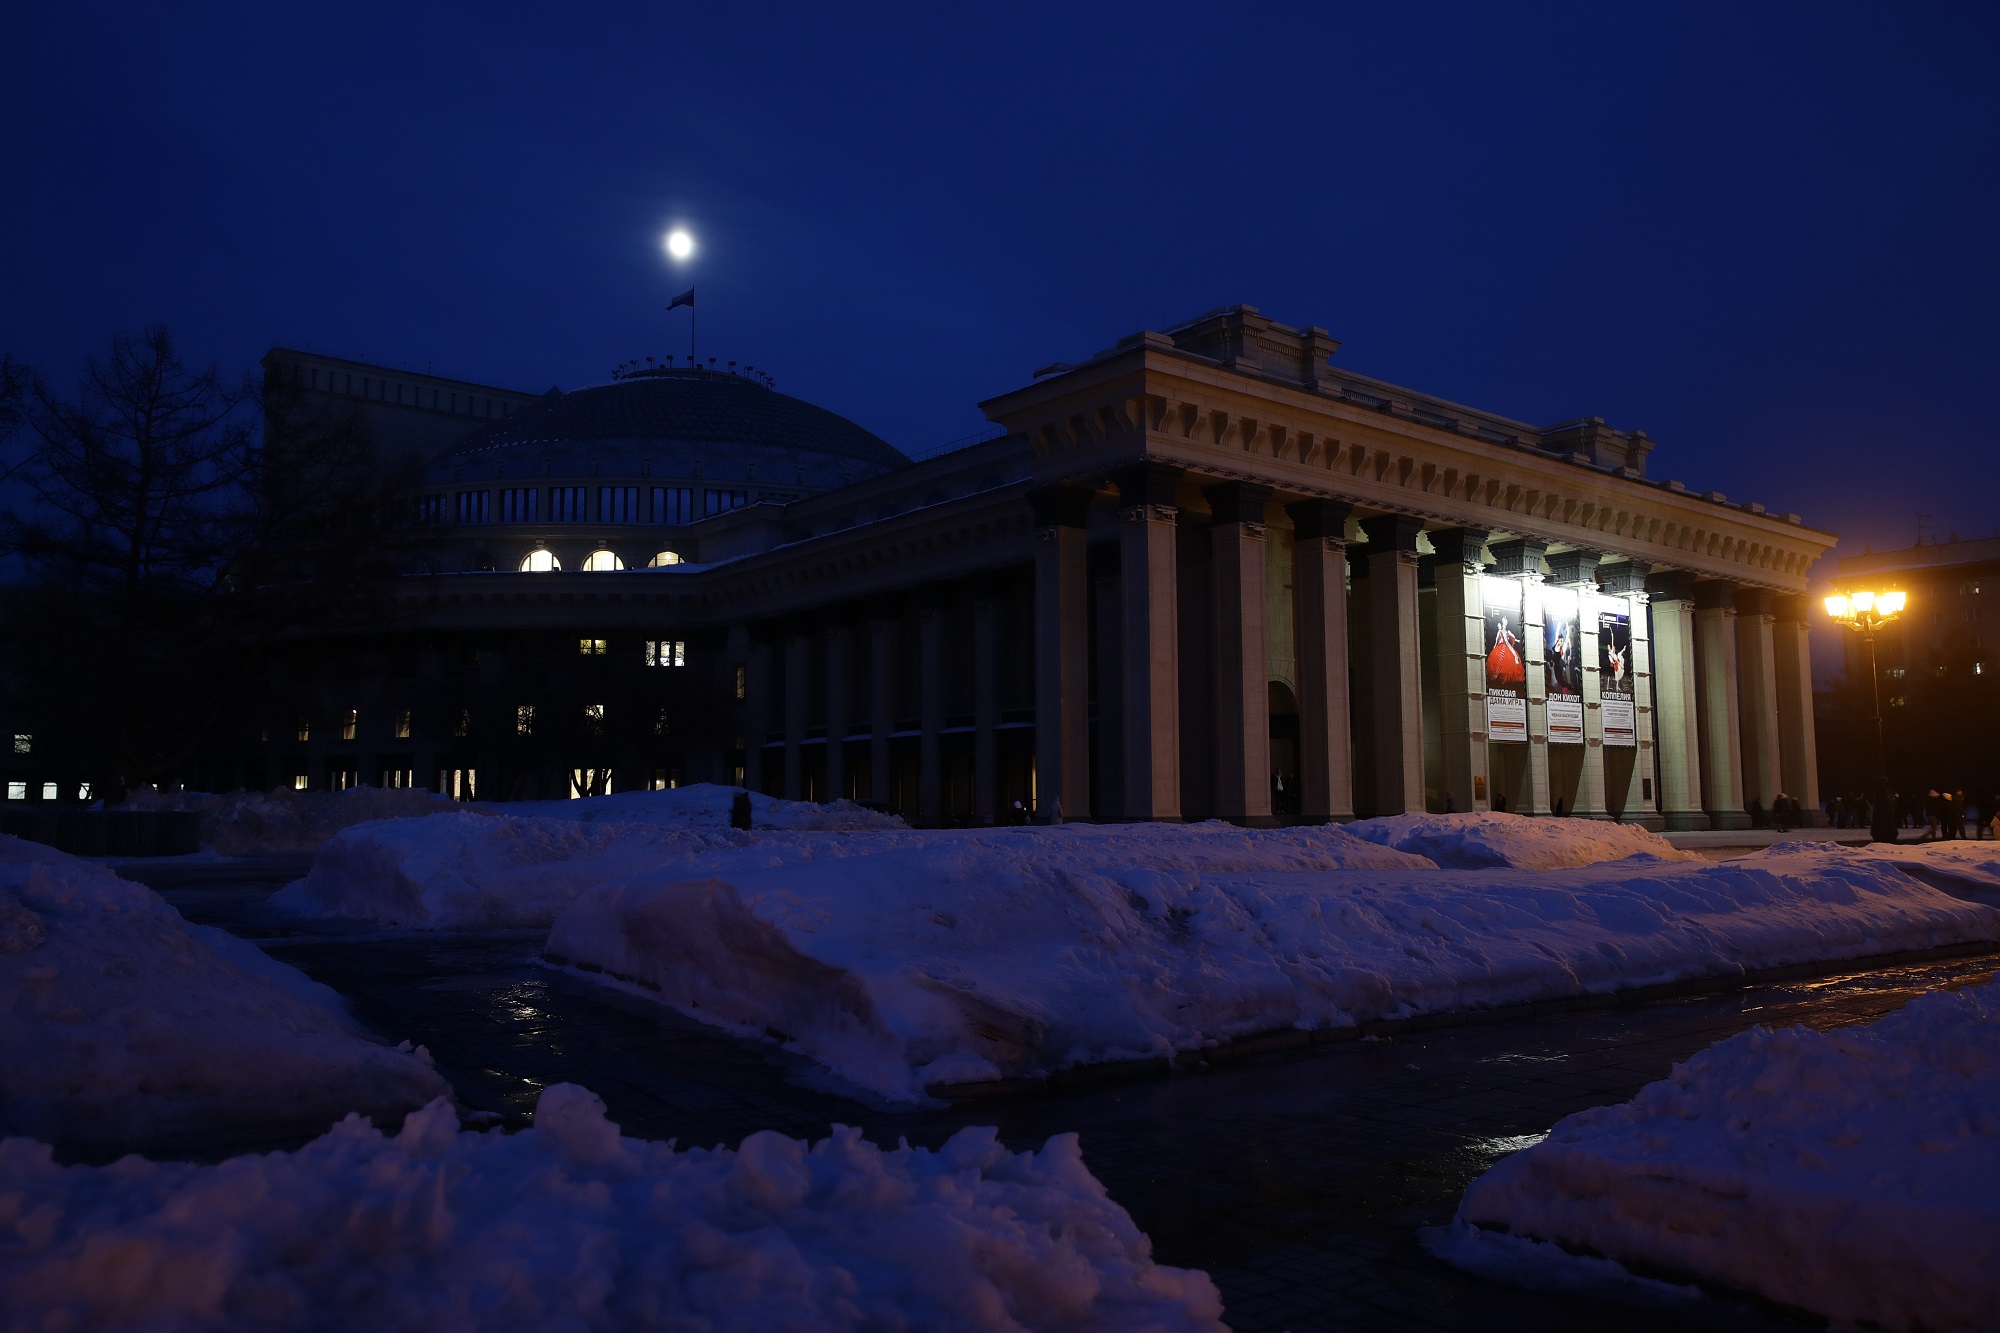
point(705, 805)
point(903, 961)
point(571, 1226)
point(1488, 838)
point(471, 871)
point(277, 822)
point(121, 1024)
point(1962, 866)
point(1849, 1173)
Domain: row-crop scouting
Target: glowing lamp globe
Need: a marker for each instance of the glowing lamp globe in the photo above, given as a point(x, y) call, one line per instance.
point(1839, 607)
point(679, 244)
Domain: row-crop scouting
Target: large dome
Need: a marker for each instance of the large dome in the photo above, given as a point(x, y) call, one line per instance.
point(673, 422)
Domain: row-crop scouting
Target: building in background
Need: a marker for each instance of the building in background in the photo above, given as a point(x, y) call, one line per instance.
point(1940, 673)
point(1201, 574)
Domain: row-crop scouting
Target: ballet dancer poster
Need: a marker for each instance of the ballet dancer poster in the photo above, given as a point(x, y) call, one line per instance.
point(1562, 656)
point(1614, 675)
point(1506, 665)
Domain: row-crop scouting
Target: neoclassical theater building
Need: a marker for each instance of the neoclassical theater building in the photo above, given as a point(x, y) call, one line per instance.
point(1205, 573)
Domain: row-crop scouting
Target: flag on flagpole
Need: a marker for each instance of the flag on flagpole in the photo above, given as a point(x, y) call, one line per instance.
point(686, 298)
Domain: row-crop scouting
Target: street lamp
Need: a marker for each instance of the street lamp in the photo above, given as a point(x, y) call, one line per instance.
point(1864, 613)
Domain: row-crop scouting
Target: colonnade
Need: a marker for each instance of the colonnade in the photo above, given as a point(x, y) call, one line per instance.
point(1708, 708)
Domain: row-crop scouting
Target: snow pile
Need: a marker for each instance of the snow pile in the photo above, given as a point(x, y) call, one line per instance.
point(284, 821)
point(571, 1226)
point(904, 961)
point(1489, 838)
point(705, 805)
point(1848, 1173)
point(121, 1024)
point(471, 871)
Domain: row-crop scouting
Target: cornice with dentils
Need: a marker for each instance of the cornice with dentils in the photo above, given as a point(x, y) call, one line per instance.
point(1160, 403)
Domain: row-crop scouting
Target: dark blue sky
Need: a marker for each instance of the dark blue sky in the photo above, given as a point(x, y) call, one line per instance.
point(1765, 234)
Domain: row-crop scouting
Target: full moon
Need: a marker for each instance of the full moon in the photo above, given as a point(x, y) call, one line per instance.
point(679, 244)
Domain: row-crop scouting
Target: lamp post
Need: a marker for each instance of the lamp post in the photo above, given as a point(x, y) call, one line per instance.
point(1864, 613)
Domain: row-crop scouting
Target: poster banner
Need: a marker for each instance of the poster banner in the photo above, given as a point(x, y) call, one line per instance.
point(1506, 667)
point(1562, 658)
point(1614, 674)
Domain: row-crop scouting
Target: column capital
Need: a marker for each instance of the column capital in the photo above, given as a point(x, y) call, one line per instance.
point(1149, 484)
point(1793, 608)
point(1391, 533)
point(1714, 595)
point(1238, 502)
point(1672, 585)
point(1060, 506)
point(1755, 602)
point(1574, 569)
point(1459, 546)
point(1624, 579)
point(1319, 519)
point(1519, 557)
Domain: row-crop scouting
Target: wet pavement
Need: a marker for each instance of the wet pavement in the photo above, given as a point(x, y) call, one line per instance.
point(1299, 1181)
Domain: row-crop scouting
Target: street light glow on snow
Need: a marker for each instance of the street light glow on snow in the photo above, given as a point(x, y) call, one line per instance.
point(679, 244)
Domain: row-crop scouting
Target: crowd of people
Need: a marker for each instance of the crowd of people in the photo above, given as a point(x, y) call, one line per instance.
point(1941, 813)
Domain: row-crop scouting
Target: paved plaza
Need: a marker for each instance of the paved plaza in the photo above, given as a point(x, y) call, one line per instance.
point(1298, 1181)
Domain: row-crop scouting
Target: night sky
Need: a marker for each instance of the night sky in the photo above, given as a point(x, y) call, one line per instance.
point(1764, 234)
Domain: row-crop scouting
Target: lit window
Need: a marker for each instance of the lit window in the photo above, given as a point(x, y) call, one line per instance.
point(23, 744)
point(402, 724)
point(539, 561)
point(663, 559)
point(589, 782)
point(461, 783)
point(83, 791)
point(17, 791)
point(1895, 673)
point(524, 720)
point(590, 647)
point(739, 682)
point(348, 724)
point(660, 723)
point(298, 782)
point(1895, 701)
point(603, 560)
point(666, 652)
point(305, 729)
point(593, 719)
point(48, 791)
point(1979, 668)
point(464, 727)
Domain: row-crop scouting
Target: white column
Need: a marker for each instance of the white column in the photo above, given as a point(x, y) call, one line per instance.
point(1624, 588)
point(883, 629)
point(1062, 687)
point(1798, 744)
point(757, 685)
point(1679, 733)
point(1577, 571)
point(839, 691)
point(1718, 703)
point(1395, 673)
point(1149, 594)
point(987, 610)
point(1319, 599)
point(1242, 676)
point(1521, 559)
point(1461, 650)
point(1757, 670)
point(798, 678)
point(932, 621)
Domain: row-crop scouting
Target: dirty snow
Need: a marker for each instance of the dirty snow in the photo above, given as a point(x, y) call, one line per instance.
point(904, 961)
point(123, 1025)
point(1849, 1173)
point(571, 1226)
point(1487, 838)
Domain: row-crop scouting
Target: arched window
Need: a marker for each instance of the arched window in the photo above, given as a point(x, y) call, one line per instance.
point(539, 562)
point(601, 560)
point(664, 559)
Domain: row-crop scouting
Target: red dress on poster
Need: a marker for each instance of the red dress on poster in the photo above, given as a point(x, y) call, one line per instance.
point(1504, 668)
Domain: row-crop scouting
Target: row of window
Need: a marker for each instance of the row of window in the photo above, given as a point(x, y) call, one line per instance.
point(658, 652)
point(571, 504)
point(539, 561)
point(51, 791)
point(409, 395)
point(593, 720)
point(462, 784)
